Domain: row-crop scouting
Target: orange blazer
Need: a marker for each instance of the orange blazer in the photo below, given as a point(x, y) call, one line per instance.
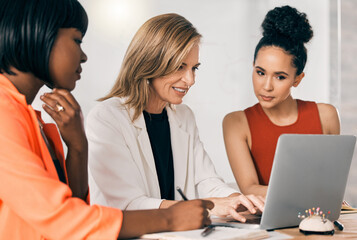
point(34, 204)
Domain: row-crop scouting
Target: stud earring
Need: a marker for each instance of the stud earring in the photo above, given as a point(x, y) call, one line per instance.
point(147, 82)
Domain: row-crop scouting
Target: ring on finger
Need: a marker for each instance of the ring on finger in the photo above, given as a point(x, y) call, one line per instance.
point(59, 108)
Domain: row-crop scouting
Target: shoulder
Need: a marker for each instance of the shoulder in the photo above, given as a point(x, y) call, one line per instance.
point(329, 118)
point(327, 110)
point(234, 119)
point(10, 107)
point(111, 109)
point(15, 118)
point(235, 124)
point(106, 107)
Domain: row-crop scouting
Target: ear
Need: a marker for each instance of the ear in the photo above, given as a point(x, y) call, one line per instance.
point(298, 79)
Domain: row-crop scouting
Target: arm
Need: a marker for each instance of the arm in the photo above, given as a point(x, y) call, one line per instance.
point(167, 203)
point(330, 119)
point(34, 199)
point(235, 132)
point(205, 179)
point(140, 222)
point(70, 125)
point(227, 201)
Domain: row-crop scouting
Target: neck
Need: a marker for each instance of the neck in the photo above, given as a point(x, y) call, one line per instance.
point(155, 109)
point(155, 105)
point(26, 83)
point(284, 113)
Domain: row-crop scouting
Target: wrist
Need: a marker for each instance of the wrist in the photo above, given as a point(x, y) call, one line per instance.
point(168, 220)
point(236, 194)
point(81, 146)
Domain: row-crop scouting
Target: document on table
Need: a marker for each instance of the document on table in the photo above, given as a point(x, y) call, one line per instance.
point(220, 233)
point(348, 209)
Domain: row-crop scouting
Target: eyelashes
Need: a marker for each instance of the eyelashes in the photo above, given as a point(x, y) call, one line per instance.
point(279, 77)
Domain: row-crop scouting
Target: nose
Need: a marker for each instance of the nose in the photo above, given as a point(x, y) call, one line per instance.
point(268, 84)
point(84, 57)
point(189, 78)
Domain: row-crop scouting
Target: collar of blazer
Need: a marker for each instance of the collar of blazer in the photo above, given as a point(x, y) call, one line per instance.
point(179, 141)
point(140, 121)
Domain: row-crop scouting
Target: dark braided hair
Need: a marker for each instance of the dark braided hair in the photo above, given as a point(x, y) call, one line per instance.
point(289, 29)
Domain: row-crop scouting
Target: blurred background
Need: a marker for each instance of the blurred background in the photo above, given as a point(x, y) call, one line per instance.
point(231, 30)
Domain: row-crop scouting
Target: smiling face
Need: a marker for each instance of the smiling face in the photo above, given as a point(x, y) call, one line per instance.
point(66, 58)
point(173, 87)
point(273, 76)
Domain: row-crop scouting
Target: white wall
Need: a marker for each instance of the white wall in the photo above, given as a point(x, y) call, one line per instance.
point(230, 29)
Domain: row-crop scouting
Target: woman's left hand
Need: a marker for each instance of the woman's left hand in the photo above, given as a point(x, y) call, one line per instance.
point(65, 110)
point(236, 203)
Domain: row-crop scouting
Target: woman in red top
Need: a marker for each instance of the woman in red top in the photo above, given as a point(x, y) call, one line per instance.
point(42, 195)
point(251, 135)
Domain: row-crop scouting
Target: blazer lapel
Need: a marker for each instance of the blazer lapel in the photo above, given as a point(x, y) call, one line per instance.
point(179, 145)
point(144, 143)
point(46, 156)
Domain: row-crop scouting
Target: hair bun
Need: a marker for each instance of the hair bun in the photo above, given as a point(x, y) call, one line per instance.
point(288, 22)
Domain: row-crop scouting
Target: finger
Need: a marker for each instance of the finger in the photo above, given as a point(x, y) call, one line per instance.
point(257, 202)
point(261, 198)
point(60, 104)
point(243, 200)
point(49, 101)
point(53, 114)
point(236, 215)
point(68, 96)
point(206, 222)
point(208, 204)
point(59, 99)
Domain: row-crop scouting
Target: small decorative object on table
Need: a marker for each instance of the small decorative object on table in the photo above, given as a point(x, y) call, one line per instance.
point(315, 221)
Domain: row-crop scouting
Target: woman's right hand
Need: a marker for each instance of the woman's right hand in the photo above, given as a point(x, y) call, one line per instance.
point(66, 112)
point(188, 215)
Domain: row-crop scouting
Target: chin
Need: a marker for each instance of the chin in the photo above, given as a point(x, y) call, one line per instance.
point(71, 87)
point(265, 104)
point(177, 102)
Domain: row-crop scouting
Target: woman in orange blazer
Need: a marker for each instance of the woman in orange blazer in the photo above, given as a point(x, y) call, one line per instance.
point(42, 195)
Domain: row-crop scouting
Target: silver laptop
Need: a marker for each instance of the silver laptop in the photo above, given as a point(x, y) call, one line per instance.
point(308, 171)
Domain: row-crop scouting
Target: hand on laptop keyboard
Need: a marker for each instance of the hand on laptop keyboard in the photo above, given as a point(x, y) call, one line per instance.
point(236, 204)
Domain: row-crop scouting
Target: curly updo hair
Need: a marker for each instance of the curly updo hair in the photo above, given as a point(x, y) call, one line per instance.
point(289, 29)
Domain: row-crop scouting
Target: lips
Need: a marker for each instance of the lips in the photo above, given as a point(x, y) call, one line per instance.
point(79, 71)
point(181, 90)
point(266, 98)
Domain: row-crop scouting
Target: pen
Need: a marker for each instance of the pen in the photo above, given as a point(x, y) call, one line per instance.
point(207, 230)
point(181, 193)
point(339, 225)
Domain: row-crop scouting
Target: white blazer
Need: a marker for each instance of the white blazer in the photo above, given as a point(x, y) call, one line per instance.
point(122, 171)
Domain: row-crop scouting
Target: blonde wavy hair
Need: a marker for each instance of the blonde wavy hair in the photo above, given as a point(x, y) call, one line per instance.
point(157, 49)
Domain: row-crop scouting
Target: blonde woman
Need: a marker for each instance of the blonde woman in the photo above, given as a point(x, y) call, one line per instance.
point(143, 142)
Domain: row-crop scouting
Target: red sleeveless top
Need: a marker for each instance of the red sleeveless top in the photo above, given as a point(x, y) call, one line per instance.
point(265, 134)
